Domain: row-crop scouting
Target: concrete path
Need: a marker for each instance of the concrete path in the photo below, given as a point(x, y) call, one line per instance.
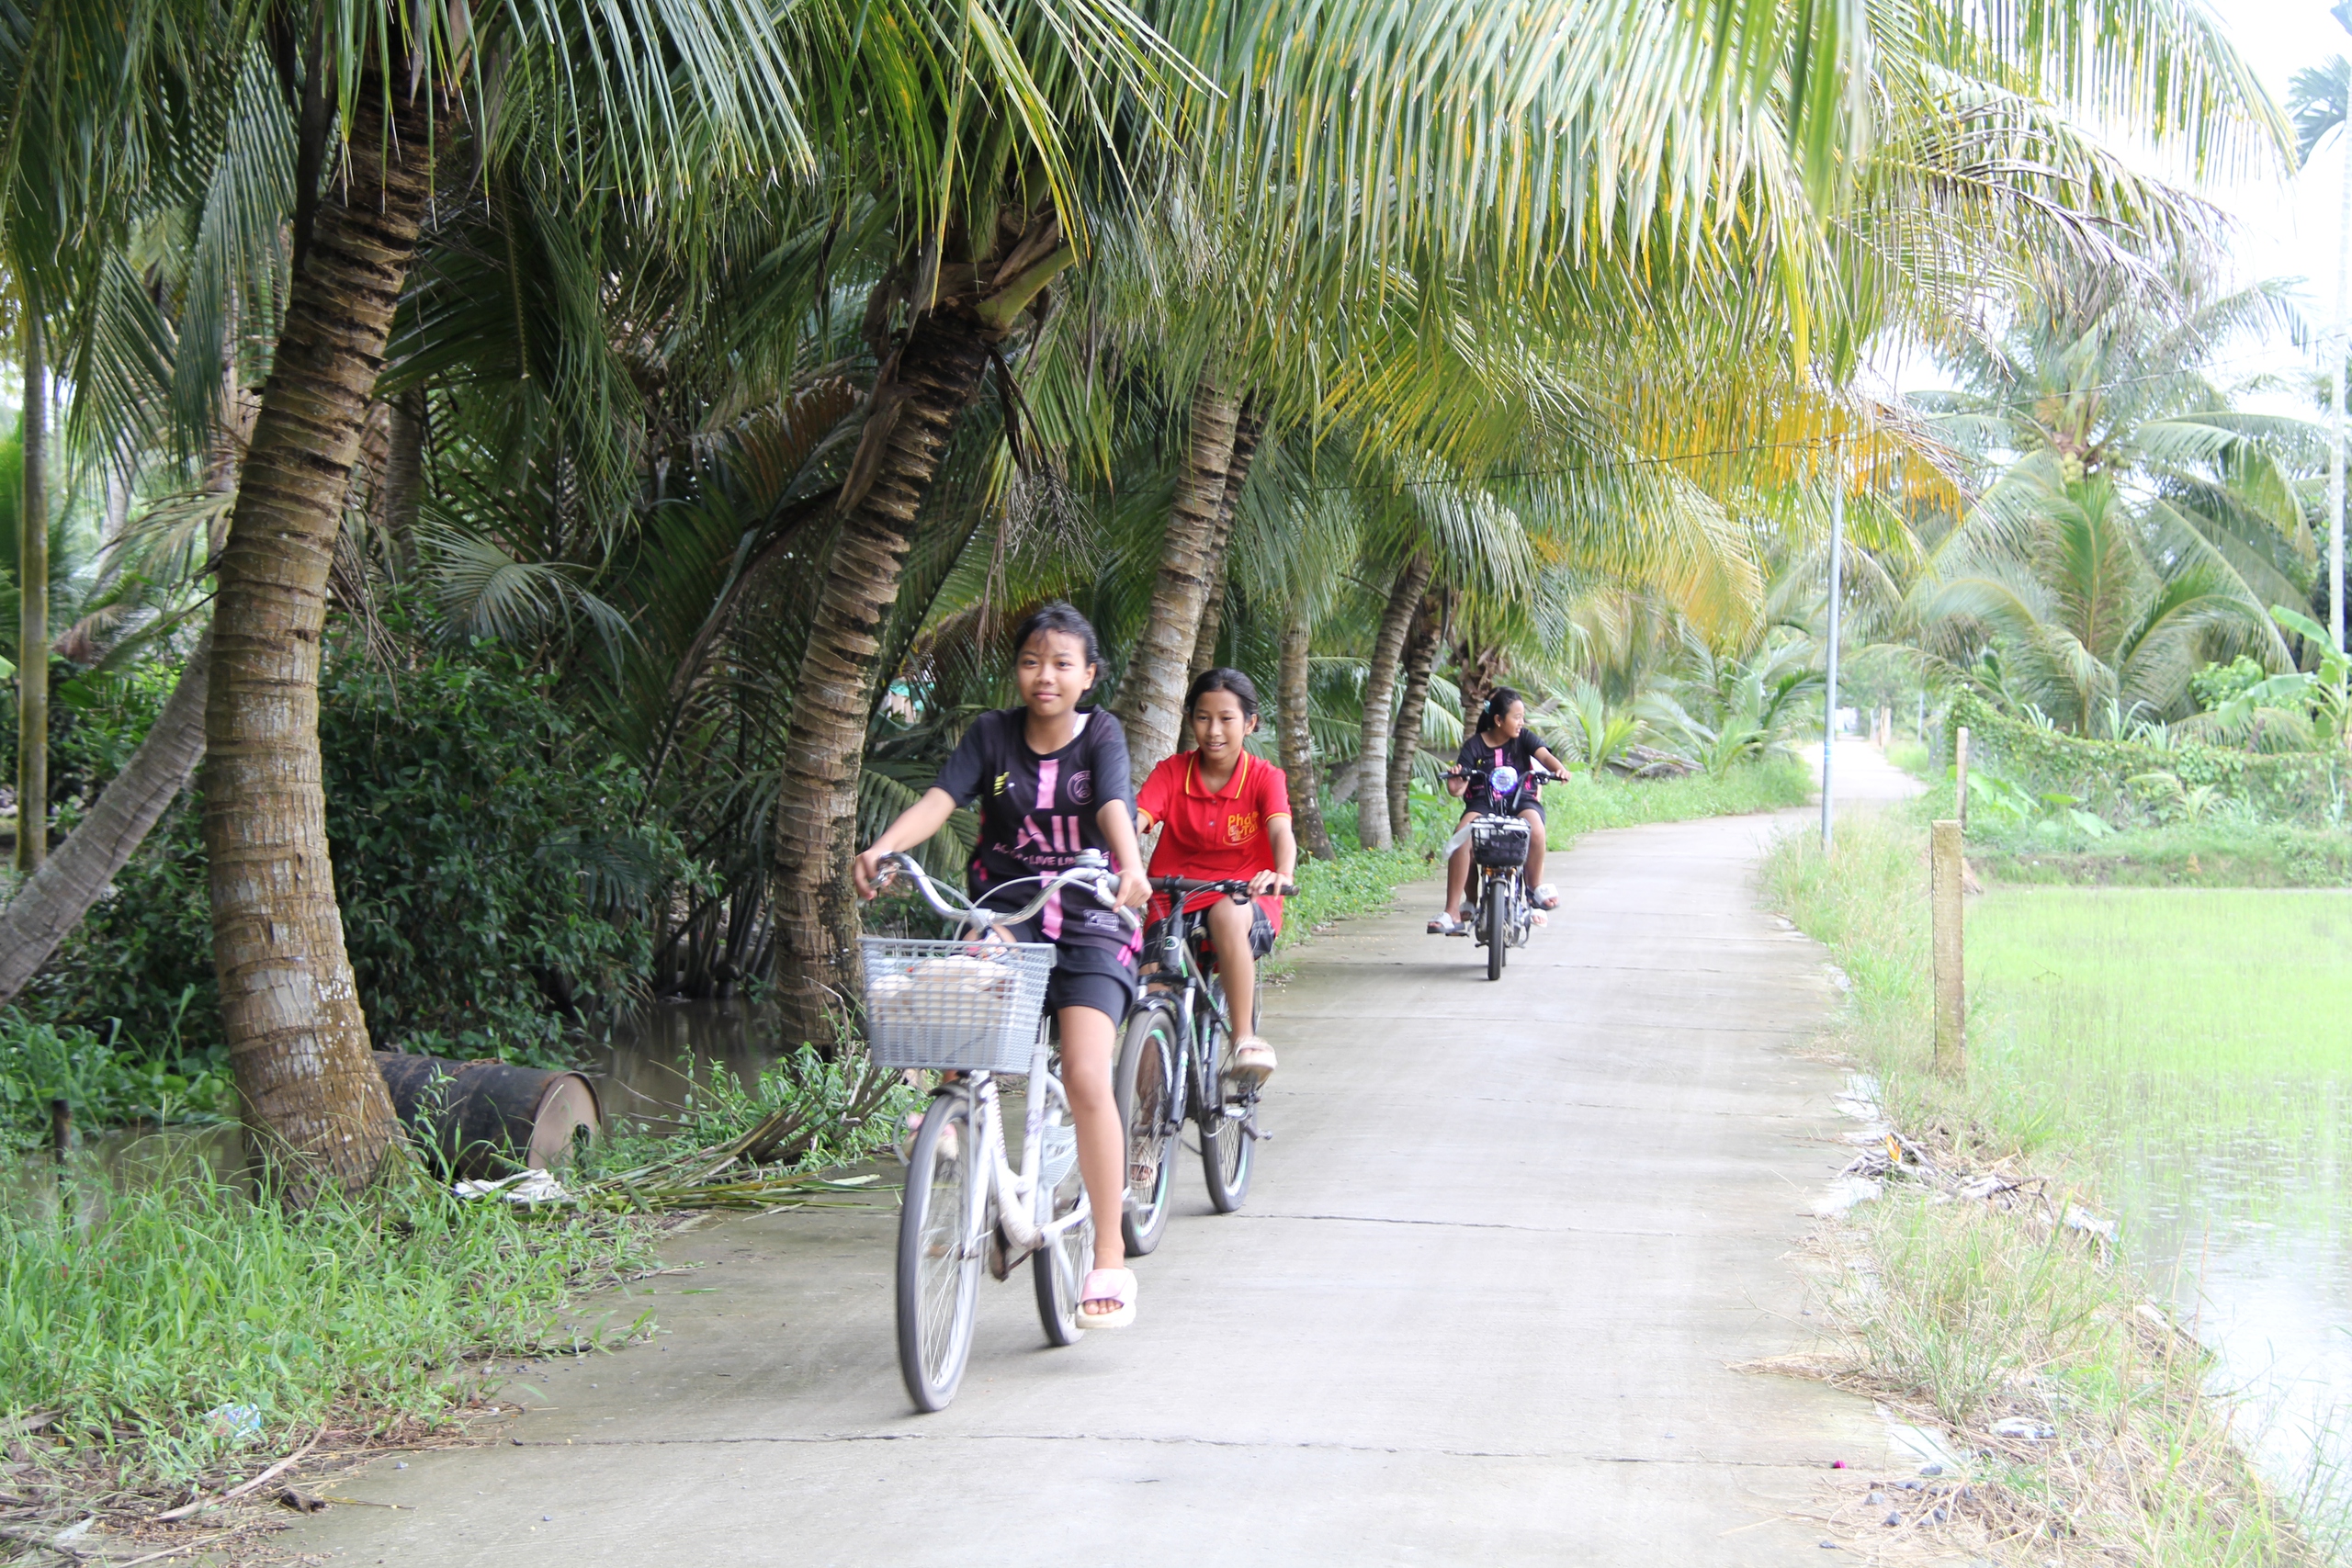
point(1481, 1309)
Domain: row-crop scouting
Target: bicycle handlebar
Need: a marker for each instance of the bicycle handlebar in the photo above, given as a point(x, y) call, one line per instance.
point(1090, 872)
point(1237, 890)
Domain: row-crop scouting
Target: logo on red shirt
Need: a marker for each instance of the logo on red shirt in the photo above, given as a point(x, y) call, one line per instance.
point(1240, 826)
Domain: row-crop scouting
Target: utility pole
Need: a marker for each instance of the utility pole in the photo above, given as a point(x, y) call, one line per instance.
point(1837, 592)
point(2337, 345)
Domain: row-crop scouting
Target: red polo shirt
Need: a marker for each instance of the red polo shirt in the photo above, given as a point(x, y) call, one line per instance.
point(1215, 836)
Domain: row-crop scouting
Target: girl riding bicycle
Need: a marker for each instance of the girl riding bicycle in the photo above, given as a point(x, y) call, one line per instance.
point(1051, 782)
point(1227, 817)
point(1503, 741)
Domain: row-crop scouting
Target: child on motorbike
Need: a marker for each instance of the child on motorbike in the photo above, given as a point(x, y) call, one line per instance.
point(1502, 740)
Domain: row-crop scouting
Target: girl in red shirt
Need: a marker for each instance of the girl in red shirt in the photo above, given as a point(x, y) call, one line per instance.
point(1225, 816)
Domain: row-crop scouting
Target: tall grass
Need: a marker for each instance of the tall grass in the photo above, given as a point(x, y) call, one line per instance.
point(1965, 1312)
point(136, 1312)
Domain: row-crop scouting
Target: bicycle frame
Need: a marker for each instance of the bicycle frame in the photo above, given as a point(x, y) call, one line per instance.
point(1013, 1192)
point(1187, 993)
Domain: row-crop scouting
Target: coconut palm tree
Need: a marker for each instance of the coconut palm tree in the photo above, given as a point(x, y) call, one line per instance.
point(2136, 524)
point(369, 98)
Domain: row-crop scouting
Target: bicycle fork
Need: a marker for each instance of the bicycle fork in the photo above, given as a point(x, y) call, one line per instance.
point(1016, 1191)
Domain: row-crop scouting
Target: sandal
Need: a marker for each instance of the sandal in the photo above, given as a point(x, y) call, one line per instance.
point(1253, 1061)
point(949, 1145)
point(1116, 1286)
point(1446, 925)
point(1548, 896)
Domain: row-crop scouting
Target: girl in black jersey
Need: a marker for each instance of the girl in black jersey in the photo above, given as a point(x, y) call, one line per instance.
point(1050, 783)
point(1503, 741)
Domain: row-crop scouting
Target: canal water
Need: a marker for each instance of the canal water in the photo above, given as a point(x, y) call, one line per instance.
point(2198, 1044)
point(648, 1068)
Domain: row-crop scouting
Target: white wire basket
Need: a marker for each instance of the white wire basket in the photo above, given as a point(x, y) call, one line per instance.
point(966, 1005)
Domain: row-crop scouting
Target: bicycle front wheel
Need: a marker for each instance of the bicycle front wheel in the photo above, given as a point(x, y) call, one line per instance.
point(1146, 1084)
point(1059, 1266)
point(1497, 913)
point(940, 1243)
point(1226, 1144)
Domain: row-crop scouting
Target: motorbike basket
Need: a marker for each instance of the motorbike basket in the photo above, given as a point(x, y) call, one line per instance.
point(1498, 841)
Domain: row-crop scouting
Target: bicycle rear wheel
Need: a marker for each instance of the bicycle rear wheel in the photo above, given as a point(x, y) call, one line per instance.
point(1149, 1094)
point(1497, 913)
point(1226, 1147)
point(1059, 1267)
point(940, 1243)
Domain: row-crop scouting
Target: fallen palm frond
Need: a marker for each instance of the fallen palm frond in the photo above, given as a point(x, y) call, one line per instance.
point(753, 1193)
point(806, 1110)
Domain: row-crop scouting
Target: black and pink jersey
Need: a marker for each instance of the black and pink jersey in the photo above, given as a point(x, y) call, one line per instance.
point(1037, 814)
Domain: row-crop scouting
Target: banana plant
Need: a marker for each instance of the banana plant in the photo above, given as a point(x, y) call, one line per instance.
point(1602, 736)
point(2322, 693)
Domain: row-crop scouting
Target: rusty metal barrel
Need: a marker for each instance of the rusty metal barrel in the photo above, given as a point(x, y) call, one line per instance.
point(489, 1118)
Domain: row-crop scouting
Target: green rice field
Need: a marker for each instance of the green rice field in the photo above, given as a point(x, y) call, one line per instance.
point(2195, 1047)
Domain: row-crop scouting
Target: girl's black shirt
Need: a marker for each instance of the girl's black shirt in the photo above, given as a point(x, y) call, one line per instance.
point(1038, 813)
point(1518, 753)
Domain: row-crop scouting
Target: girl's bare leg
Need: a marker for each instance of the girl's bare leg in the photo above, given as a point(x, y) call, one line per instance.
point(1089, 1042)
point(1534, 848)
point(1237, 968)
point(1457, 878)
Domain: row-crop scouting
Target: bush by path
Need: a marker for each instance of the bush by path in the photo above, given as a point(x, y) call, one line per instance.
point(178, 1331)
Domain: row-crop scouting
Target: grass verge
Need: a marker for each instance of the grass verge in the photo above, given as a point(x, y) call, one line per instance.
point(179, 1333)
point(1980, 1295)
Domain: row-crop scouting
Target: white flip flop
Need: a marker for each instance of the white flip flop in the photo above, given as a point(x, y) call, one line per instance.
point(1107, 1285)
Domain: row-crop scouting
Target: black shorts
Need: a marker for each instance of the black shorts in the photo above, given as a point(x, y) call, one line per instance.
point(1530, 805)
point(1086, 975)
point(1261, 930)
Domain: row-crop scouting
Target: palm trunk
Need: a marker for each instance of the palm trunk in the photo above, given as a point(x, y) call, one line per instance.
point(1379, 695)
point(45, 911)
point(916, 401)
point(1297, 740)
point(1151, 693)
point(1481, 671)
point(1420, 655)
point(1246, 431)
point(403, 476)
point(32, 624)
point(297, 1035)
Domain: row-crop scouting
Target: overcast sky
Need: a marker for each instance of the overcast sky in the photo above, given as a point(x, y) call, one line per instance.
point(2287, 227)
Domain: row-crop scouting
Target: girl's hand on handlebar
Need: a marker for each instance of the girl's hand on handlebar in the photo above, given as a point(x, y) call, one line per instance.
point(1134, 888)
point(868, 871)
point(1266, 884)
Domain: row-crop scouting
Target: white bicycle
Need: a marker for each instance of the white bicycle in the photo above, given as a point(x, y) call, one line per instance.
point(974, 1008)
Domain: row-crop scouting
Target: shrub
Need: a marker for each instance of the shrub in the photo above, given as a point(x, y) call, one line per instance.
point(40, 1062)
point(491, 878)
point(2100, 776)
